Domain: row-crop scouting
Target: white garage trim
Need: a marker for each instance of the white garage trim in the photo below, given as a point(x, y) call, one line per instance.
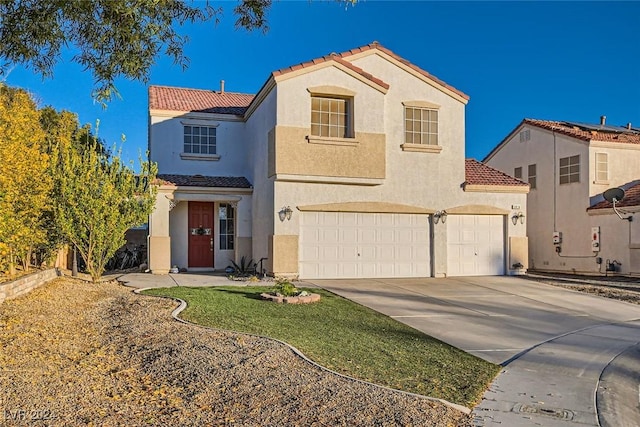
point(363, 245)
point(475, 245)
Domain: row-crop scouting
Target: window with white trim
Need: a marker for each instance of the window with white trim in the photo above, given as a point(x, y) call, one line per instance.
point(602, 167)
point(517, 172)
point(570, 169)
point(532, 176)
point(199, 139)
point(331, 117)
point(420, 126)
point(226, 220)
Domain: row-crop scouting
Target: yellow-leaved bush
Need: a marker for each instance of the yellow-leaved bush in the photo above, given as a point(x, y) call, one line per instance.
point(25, 182)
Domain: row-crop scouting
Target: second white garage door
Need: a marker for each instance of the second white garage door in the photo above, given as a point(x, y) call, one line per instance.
point(363, 245)
point(475, 245)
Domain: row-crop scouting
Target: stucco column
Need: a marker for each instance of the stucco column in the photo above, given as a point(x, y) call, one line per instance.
point(159, 238)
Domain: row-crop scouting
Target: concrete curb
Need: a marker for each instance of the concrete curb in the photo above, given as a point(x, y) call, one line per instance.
point(182, 305)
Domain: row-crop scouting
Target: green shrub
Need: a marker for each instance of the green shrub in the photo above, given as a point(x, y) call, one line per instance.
point(285, 288)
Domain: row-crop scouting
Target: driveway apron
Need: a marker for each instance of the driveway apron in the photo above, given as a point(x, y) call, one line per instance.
point(567, 357)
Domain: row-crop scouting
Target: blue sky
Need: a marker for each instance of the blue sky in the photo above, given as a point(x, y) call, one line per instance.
point(549, 60)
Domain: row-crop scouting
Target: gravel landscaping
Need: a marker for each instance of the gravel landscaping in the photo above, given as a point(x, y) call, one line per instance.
point(75, 353)
point(622, 288)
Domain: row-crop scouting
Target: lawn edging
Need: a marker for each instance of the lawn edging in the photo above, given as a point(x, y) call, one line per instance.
point(27, 283)
point(183, 305)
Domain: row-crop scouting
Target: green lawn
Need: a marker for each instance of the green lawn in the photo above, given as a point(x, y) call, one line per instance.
point(346, 337)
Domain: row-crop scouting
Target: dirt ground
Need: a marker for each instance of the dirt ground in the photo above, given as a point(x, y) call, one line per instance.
point(76, 353)
point(616, 287)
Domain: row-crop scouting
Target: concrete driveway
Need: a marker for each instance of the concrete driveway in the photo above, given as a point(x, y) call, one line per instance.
point(565, 354)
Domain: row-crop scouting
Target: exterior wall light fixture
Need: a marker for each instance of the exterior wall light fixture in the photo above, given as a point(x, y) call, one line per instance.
point(440, 216)
point(285, 212)
point(517, 216)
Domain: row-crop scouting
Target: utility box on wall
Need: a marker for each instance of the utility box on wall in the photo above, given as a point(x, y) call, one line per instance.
point(595, 239)
point(557, 237)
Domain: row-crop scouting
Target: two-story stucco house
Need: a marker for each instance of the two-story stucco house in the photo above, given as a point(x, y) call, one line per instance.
point(569, 166)
point(350, 165)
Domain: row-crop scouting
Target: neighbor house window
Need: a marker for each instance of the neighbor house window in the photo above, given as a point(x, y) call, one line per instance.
point(569, 169)
point(420, 126)
point(226, 217)
point(525, 135)
point(602, 167)
point(532, 176)
point(330, 117)
point(200, 139)
point(517, 172)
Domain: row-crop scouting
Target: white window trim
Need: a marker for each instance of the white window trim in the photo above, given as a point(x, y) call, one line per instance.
point(199, 156)
point(596, 180)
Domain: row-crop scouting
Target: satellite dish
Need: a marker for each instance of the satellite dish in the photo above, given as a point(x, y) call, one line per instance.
point(613, 195)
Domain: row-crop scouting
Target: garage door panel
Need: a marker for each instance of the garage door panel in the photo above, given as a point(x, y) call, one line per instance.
point(370, 245)
point(475, 245)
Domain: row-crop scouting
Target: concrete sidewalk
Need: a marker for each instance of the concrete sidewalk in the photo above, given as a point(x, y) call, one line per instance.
point(193, 280)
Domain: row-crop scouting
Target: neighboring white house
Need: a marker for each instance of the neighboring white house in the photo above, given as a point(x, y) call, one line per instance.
point(350, 165)
point(569, 166)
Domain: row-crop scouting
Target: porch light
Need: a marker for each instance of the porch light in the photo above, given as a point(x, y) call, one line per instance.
point(517, 216)
point(440, 215)
point(285, 212)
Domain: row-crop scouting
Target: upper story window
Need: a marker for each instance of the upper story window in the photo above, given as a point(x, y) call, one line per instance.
point(517, 172)
point(569, 169)
point(532, 176)
point(420, 126)
point(199, 139)
point(525, 135)
point(602, 167)
point(331, 117)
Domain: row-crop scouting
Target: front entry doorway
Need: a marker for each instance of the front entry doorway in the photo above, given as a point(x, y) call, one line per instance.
point(200, 235)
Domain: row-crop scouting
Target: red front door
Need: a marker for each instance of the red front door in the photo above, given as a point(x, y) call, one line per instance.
point(200, 234)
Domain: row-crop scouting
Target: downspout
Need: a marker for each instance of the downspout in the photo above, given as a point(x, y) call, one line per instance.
point(555, 180)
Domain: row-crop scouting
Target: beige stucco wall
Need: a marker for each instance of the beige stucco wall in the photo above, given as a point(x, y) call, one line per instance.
point(159, 243)
point(262, 122)
point(167, 144)
point(295, 154)
point(284, 251)
point(553, 207)
point(283, 167)
point(623, 160)
point(619, 240)
point(166, 251)
point(426, 181)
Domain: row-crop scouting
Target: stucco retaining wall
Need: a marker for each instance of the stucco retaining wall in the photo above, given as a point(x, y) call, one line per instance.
point(25, 284)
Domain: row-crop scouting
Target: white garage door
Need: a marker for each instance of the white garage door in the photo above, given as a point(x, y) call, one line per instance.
point(475, 245)
point(363, 245)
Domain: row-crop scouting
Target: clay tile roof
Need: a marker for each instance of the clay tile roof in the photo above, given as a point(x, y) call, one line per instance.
point(198, 100)
point(205, 181)
point(376, 45)
point(586, 133)
point(631, 198)
point(332, 57)
point(477, 173)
